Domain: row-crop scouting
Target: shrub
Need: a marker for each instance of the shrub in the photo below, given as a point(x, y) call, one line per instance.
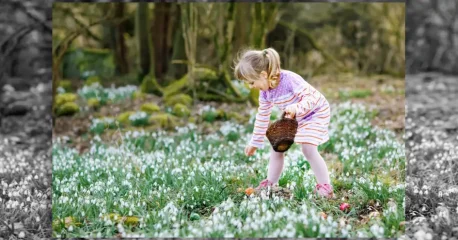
point(65, 98)
point(67, 109)
point(181, 110)
point(150, 108)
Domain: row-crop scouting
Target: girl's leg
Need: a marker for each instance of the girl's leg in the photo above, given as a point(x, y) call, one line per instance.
point(317, 163)
point(276, 163)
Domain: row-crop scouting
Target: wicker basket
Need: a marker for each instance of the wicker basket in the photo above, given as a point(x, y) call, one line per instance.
point(281, 133)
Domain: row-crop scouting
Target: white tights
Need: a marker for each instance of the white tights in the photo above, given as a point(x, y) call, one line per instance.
point(312, 155)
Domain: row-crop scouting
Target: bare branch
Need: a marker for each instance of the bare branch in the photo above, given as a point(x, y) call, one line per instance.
point(33, 15)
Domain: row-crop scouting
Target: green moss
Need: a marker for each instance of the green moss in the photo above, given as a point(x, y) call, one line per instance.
point(67, 109)
point(192, 120)
point(149, 85)
point(178, 98)
point(163, 120)
point(124, 117)
point(150, 108)
point(181, 110)
point(182, 85)
point(91, 80)
point(205, 74)
point(93, 102)
point(138, 95)
point(96, 51)
point(66, 84)
point(65, 98)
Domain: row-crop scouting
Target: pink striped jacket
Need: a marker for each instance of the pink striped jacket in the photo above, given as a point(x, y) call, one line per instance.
point(292, 89)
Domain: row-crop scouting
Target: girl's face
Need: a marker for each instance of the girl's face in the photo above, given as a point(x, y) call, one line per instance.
point(261, 83)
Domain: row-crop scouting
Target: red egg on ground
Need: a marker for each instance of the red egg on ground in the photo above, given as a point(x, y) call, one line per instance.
point(344, 207)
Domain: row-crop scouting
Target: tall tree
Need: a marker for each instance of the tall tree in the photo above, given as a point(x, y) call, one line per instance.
point(163, 23)
point(143, 40)
point(189, 28)
point(113, 37)
point(176, 68)
point(223, 40)
point(118, 43)
point(264, 19)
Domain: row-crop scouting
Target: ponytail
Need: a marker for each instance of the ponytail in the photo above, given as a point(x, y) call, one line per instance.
point(273, 66)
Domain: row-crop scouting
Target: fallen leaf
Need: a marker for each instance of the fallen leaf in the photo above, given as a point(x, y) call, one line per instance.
point(127, 220)
point(249, 191)
point(323, 215)
point(69, 221)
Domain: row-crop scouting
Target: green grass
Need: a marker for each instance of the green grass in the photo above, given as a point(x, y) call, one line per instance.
point(185, 184)
point(355, 93)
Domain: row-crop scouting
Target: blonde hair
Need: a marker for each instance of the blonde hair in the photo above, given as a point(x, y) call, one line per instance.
point(252, 62)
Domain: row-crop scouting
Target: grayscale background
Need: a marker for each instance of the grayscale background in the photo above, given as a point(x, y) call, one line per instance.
point(432, 119)
point(25, 119)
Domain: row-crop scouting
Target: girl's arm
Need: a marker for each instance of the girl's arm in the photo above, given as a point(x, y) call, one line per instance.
point(262, 121)
point(306, 102)
point(308, 96)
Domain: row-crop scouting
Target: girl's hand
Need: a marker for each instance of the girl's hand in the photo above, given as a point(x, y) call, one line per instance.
point(249, 150)
point(290, 111)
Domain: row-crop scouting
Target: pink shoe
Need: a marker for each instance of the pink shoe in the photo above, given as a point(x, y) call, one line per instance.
point(264, 184)
point(324, 190)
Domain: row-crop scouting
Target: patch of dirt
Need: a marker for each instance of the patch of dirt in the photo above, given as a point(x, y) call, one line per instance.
point(32, 124)
point(387, 96)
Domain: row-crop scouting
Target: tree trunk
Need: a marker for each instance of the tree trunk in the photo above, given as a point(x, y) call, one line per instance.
point(106, 27)
point(162, 42)
point(243, 19)
point(118, 43)
point(177, 70)
point(113, 37)
point(143, 39)
point(189, 24)
point(223, 40)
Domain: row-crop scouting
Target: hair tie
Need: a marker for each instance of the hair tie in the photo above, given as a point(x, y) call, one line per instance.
point(264, 52)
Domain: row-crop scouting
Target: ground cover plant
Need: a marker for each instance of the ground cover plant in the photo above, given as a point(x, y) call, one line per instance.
point(431, 150)
point(115, 179)
point(25, 164)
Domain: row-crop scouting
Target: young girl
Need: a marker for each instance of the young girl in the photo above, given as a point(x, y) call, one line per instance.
point(292, 94)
